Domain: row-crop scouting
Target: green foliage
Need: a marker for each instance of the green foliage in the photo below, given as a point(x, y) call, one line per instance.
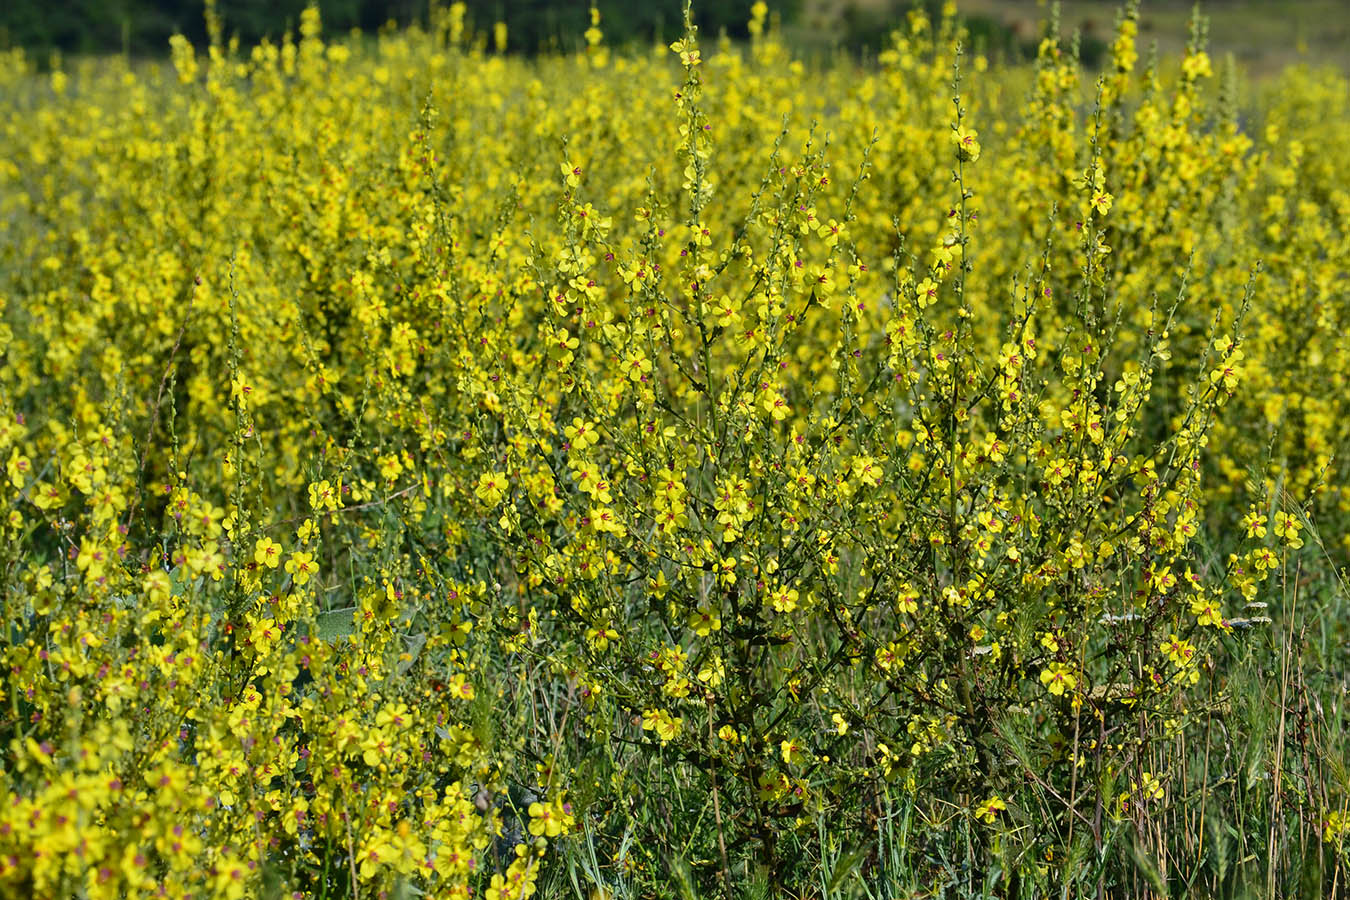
point(143, 27)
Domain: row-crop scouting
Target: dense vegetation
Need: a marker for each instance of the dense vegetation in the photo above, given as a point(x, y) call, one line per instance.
point(673, 474)
point(143, 27)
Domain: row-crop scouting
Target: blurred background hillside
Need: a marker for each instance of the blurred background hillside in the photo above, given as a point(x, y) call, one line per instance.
point(143, 27)
point(1263, 34)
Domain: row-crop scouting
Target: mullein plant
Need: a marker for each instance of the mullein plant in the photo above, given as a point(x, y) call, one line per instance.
point(416, 455)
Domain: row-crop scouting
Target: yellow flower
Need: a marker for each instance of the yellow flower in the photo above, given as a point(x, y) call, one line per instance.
point(967, 146)
point(571, 173)
point(1148, 788)
point(926, 292)
point(1287, 527)
point(794, 753)
point(666, 726)
point(1178, 651)
point(491, 488)
point(1207, 612)
point(231, 879)
point(20, 469)
point(302, 567)
point(1058, 678)
point(267, 552)
point(322, 496)
point(832, 231)
point(581, 434)
point(688, 53)
point(1197, 66)
point(988, 811)
point(550, 819)
point(704, 621)
point(390, 466)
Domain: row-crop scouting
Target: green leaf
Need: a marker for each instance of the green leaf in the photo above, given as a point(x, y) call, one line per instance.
point(1149, 869)
point(844, 867)
point(415, 644)
point(336, 624)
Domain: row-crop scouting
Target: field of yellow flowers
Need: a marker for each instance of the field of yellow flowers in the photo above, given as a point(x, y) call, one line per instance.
point(675, 472)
